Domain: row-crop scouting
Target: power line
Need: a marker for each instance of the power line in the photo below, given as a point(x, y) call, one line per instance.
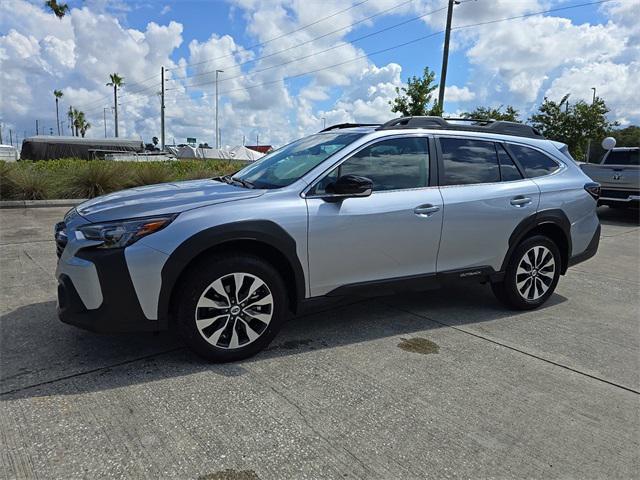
point(281, 35)
point(340, 45)
point(460, 27)
point(382, 12)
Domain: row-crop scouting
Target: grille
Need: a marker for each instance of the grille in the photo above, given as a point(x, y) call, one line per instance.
point(606, 193)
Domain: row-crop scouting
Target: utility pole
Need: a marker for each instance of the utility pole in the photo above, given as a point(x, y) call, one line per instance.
point(11, 137)
point(593, 100)
point(445, 55)
point(217, 135)
point(37, 132)
point(257, 140)
point(162, 109)
point(243, 140)
point(0, 133)
point(104, 119)
point(324, 123)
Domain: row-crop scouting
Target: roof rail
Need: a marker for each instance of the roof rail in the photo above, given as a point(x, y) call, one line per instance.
point(476, 125)
point(349, 125)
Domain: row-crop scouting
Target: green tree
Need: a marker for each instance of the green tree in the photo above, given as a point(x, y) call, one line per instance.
point(626, 137)
point(490, 113)
point(575, 124)
point(80, 123)
point(416, 97)
point(58, 94)
point(58, 9)
point(116, 82)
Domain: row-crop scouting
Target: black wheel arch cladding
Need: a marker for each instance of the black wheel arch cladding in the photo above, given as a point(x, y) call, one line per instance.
point(554, 219)
point(258, 232)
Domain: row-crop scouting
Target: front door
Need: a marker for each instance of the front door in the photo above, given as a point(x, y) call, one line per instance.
point(393, 233)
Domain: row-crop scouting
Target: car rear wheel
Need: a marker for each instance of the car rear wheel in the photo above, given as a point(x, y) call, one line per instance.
point(231, 307)
point(531, 275)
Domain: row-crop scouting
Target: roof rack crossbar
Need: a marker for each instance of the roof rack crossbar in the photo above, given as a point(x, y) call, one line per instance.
point(477, 125)
point(348, 125)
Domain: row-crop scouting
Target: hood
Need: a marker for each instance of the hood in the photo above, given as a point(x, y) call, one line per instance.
point(160, 199)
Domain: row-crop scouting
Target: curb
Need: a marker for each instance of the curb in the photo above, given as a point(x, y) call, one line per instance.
point(71, 202)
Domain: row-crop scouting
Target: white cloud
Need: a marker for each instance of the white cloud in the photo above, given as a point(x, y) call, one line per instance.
point(515, 62)
point(458, 94)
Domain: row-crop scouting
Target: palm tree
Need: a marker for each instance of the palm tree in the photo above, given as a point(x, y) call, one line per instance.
point(79, 122)
point(58, 9)
point(58, 94)
point(70, 116)
point(116, 82)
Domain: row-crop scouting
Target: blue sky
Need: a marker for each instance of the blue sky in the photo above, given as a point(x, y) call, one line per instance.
point(516, 62)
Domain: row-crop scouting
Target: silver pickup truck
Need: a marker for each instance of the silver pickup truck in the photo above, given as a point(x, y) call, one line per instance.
point(618, 174)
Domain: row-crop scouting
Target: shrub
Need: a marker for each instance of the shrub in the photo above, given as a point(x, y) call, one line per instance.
point(150, 173)
point(94, 178)
point(77, 178)
point(6, 187)
point(29, 184)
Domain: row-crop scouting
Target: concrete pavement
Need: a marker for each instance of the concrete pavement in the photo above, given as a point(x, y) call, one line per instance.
point(479, 392)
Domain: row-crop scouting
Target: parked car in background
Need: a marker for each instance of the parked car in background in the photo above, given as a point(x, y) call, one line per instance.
point(412, 204)
point(618, 173)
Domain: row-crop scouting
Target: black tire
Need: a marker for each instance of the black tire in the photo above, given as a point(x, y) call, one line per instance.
point(520, 297)
point(198, 281)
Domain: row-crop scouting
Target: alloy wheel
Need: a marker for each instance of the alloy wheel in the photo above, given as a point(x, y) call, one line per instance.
point(535, 273)
point(234, 310)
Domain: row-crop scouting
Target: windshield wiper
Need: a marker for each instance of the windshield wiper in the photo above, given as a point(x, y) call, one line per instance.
point(243, 182)
point(223, 178)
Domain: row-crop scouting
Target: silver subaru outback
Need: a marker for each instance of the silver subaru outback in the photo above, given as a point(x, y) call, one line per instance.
point(412, 204)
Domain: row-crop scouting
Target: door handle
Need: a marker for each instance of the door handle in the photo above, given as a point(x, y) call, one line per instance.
point(426, 210)
point(520, 201)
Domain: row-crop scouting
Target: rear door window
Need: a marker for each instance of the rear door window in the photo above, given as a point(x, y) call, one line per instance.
point(508, 170)
point(467, 161)
point(534, 162)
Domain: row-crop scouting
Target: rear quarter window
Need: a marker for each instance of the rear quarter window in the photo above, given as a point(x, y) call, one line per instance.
point(534, 162)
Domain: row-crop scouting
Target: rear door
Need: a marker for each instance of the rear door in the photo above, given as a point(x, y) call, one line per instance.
point(485, 197)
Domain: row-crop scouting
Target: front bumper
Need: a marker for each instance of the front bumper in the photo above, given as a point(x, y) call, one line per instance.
point(95, 292)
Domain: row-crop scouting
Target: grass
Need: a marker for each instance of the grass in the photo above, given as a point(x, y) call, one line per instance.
point(76, 178)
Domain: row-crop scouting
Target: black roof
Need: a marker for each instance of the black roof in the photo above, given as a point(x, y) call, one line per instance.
point(459, 124)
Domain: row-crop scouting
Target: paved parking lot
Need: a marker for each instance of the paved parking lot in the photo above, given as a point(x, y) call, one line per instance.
point(444, 384)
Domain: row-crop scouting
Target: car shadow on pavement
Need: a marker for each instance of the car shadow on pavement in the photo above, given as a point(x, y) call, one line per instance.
point(620, 217)
point(43, 357)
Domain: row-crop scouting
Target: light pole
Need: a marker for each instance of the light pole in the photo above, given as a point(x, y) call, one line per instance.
point(217, 134)
point(445, 55)
point(104, 119)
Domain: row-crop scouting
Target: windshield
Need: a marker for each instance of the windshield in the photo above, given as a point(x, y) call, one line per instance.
point(289, 163)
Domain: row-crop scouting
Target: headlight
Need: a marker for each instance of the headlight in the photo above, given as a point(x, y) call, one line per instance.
point(125, 232)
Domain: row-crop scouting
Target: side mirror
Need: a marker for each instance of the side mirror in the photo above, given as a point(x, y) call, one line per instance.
point(351, 186)
point(608, 143)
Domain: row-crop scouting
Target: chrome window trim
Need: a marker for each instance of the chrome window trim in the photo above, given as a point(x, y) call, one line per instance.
point(373, 141)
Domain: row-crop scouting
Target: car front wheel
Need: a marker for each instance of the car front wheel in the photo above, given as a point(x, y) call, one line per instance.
point(531, 275)
point(231, 307)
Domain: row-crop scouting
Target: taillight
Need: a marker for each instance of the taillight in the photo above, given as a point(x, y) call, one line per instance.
point(593, 189)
